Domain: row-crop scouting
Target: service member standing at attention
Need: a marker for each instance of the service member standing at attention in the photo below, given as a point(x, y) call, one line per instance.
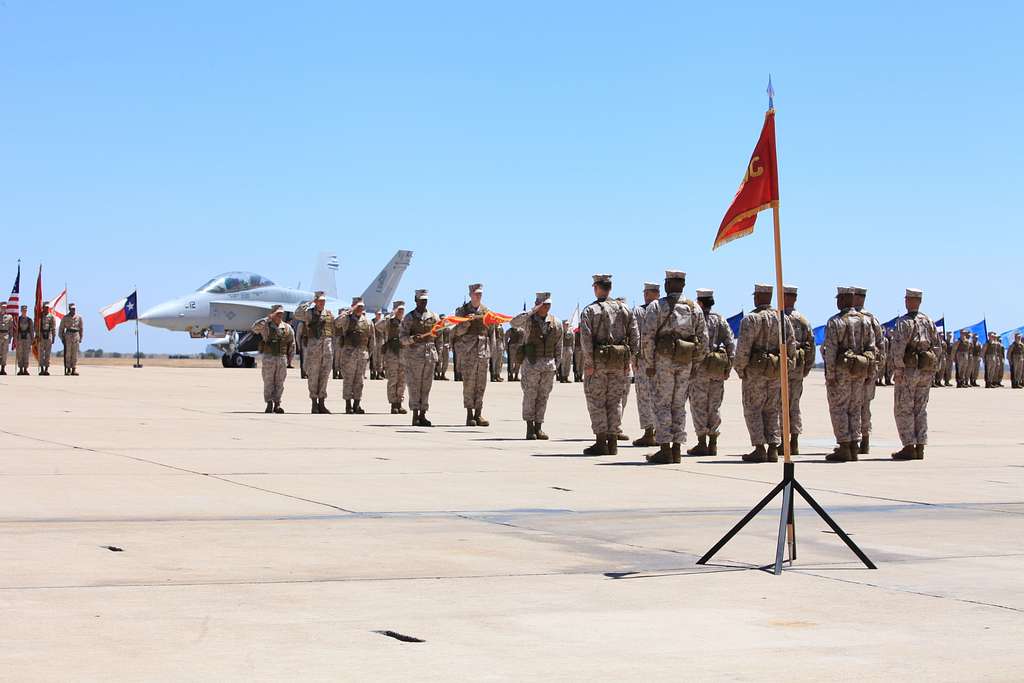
point(609, 339)
point(994, 355)
point(71, 333)
point(513, 345)
point(7, 331)
point(472, 340)
point(1016, 358)
point(962, 356)
point(799, 366)
point(354, 332)
point(497, 353)
point(947, 373)
point(317, 329)
point(859, 296)
point(338, 343)
point(377, 352)
point(674, 342)
point(565, 357)
point(26, 333)
point(757, 364)
point(644, 388)
point(542, 347)
point(419, 357)
point(707, 386)
point(443, 343)
point(976, 354)
point(577, 356)
point(940, 368)
point(848, 353)
point(915, 347)
point(46, 333)
point(277, 344)
point(392, 357)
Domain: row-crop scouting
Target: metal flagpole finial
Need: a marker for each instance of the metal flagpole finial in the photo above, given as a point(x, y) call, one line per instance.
point(771, 93)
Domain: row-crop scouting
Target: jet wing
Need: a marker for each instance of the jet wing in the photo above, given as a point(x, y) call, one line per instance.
point(240, 315)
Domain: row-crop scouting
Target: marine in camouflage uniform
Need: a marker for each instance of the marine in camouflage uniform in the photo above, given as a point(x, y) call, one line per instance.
point(377, 352)
point(915, 347)
point(757, 364)
point(962, 355)
point(317, 330)
point(543, 344)
point(995, 356)
point(800, 365)
point(707, 388)
point(443, 344)
point(627, 380)
point(497, 353)
point(848, 353)
point(46, 333)
point(1016, 358)
point(947, 369)
point(513, 343)
point(356, 335)
point(338, 342)
point(419, 356)
point(889, 368)
point(393, 359)
point(609, 340)
point(644, 388)
point(71, 333)
point(472, 341)
point(577, 356)
point(7, 331)
point(26, 333)
point(565, 357)
point(277, 344)
point(940, 368)
point(859, 296)
point(673, 344)
point(975, 359)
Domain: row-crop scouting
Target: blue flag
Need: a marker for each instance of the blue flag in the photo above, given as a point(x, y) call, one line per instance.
point(819, 335)
point(980, 329)
point(941, 322)
point(1007, 337)
point(891, 325)
point(734, 323)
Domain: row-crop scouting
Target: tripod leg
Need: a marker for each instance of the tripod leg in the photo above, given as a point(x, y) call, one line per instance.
point(835, 527)
point(780, 547)
point(742, 523)
point(792, 531)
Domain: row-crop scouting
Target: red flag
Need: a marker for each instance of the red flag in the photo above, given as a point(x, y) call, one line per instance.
point(758, 191)
point(39, 311)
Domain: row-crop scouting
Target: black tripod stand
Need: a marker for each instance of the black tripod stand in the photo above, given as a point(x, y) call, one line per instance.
point(787, 525)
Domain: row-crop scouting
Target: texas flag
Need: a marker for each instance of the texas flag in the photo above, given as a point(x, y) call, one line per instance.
point(121, 311)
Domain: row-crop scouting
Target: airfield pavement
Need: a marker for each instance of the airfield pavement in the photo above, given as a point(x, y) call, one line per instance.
point(264, 547)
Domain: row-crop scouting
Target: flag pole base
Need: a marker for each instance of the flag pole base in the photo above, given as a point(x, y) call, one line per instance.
point(787, 525)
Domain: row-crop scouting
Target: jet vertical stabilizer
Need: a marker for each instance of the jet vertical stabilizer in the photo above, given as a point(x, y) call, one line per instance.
point(325, 274)
point(378, 295)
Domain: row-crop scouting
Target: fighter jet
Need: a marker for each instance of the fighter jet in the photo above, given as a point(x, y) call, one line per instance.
point(222, 310)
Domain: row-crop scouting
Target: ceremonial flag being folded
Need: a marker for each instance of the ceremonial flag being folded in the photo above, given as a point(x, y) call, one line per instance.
point(759, 189)
point(489, 318)
point(120, 311)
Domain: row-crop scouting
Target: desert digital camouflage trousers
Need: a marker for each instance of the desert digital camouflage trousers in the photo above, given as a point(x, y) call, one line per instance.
point(45, 347)
point(867, 396)
point(419, 375)
point(993, 371)
point(396, 377)
point(762, 399)
point(319, 359)
point(474, 380)
point(706, 403)
point(670, 387)
point(796, 392)
point(5, 346)
point(604, 390)
point(845, 395)
point(274, 370)
point(644, 396)
point(536, 381)
point(23, 353)
point(910, 405)
point(352, 364)
point(71, 343)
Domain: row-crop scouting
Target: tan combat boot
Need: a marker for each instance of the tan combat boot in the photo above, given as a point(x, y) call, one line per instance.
point(613, 444)
point(647, 439)
point(905, 453)
point(677, 453)
point(919, 452)
point(794, 444)
point(663, 456)
point(599, 447)
point(531, 433)
point(480, 421)
point(712, 444)
point(757, 455)
point(773, 453)
point(701, 448)
point(538, 431)
point(865, 444)
point(841, 454)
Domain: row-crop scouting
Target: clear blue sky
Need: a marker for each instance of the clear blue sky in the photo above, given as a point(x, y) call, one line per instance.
point(525, 145)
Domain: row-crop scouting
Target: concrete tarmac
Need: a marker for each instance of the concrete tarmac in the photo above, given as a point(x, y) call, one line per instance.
point(155, 524)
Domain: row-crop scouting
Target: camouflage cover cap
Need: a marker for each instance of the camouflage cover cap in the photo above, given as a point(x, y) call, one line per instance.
point(652, 287)
point(843, 290)
point(705, 293)
point(397, 304)
point(357, 301)
point(542, 298)
point(276, 308)
point(71, 305)
point(761, 288)
point(860, 291)
point(914, 293)
point(602, 277)
point(46, 304)
point(476, 287)
point(675, 275)
point(422, 295)
point(319, 296)
point(788, 289)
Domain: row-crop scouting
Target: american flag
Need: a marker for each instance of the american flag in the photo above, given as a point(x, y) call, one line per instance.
point(14, 301)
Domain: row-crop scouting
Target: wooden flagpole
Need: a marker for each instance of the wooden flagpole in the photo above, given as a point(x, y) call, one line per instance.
point(783, 352)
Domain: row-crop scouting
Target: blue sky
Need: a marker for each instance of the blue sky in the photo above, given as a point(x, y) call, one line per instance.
point(525, 145)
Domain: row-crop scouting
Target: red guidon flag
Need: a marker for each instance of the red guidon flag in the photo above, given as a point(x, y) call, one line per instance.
point(758, 191)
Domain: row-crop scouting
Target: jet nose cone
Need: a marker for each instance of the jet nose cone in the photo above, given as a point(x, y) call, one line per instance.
point(162, 315)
